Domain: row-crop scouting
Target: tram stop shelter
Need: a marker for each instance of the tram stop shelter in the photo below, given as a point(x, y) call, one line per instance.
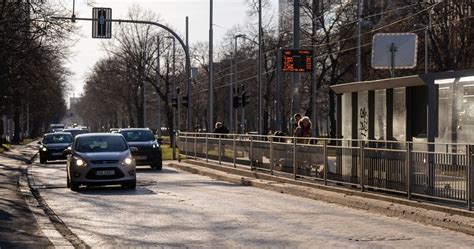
point(427, 108)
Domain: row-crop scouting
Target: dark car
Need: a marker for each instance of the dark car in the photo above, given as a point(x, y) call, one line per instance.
point(100, 159)
point(149, 151)
point(53, 145)
point(76, 131)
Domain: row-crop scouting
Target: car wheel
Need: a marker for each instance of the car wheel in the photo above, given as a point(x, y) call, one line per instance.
point(157, 166)
point(74, 186)
point(43, 160)
point(68, 183)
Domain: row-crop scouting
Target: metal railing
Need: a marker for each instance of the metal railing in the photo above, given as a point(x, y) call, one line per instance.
point(434, 171)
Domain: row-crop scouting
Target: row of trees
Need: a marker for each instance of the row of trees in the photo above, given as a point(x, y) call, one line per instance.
point(116, 86)
point(32, 75)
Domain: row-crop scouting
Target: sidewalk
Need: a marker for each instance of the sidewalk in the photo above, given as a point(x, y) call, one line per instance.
point(18, 226)
point(445, 217)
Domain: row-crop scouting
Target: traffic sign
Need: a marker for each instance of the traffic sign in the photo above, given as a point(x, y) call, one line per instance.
point(394, 50)
point(297, 60)
point(101, 28)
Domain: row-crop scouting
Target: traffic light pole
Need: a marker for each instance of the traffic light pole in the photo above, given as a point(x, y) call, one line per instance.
point(183, 45)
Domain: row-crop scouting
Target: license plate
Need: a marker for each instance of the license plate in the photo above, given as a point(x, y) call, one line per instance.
point(140, 157)
point(57, 153)
point(105, 173)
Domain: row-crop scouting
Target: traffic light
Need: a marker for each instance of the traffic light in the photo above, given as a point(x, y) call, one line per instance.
point(236, 101)
point(101, 25)
point(184, 101)
point(245, 99)
point(174, 102)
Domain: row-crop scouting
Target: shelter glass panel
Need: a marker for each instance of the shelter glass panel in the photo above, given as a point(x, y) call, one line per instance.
point(380, 115)
point(399, 114)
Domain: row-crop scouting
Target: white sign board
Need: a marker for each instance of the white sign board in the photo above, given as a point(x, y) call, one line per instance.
point(394, 50)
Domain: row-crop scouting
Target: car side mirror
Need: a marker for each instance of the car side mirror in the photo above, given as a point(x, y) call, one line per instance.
point(160, 140)
point(39, 142)
point(133, 149)
point(67, 151)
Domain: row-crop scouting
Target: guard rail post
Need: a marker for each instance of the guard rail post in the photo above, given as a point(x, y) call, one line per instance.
point(207, 148)
point(233, 148)
point(408, 167)
point(271, 155)
point(468, 177)
point(362, 165)
point(250, 152)
point(179, 145)
point(294, 158)
point(195, 146)
point(326, 166)
point(219, 150)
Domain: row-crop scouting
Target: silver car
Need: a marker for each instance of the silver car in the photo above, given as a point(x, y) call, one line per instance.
point(100, 159)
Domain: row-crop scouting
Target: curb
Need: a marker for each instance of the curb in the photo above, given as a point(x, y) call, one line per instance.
point(429, 214)
point(51, 225)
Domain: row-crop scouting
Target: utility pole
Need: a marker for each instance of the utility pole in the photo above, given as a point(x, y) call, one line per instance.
point(211, 72)
point(158, 83)
point(231, 93)
point(260, 90)
point(359, 27)
point(296, 102)
point(314, 73)
point(189, 87)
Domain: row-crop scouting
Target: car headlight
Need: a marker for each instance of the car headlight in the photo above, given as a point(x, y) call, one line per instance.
point(44, 149)
point(156, 146)
point(128, 161)
point(80, 162)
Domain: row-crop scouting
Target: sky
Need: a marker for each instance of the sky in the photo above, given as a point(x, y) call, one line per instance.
point(86, 51)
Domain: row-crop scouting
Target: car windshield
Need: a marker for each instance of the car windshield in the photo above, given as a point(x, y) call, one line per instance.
point(138, 136)
point(57, 139)
point(100, 144)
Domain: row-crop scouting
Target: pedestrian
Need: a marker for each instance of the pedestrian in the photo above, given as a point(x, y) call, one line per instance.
point(304, 130)
point(220, 128)
point(297, 118)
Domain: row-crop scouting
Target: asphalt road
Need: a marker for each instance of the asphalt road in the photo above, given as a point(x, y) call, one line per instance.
point(175, 208)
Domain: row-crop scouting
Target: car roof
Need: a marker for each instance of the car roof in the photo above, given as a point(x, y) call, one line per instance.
point(100, 134)
point(57, 133)
point(135, 129)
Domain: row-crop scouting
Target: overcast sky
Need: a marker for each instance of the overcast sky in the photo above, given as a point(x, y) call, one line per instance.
point(227, 13)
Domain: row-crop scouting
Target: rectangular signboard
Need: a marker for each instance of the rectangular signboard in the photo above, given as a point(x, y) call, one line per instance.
point(394, 50)
point(297, 60)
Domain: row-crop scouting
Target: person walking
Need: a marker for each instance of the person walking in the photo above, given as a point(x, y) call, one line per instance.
point(297, 118)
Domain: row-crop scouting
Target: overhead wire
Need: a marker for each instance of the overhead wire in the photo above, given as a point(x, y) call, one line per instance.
point(349, 38)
